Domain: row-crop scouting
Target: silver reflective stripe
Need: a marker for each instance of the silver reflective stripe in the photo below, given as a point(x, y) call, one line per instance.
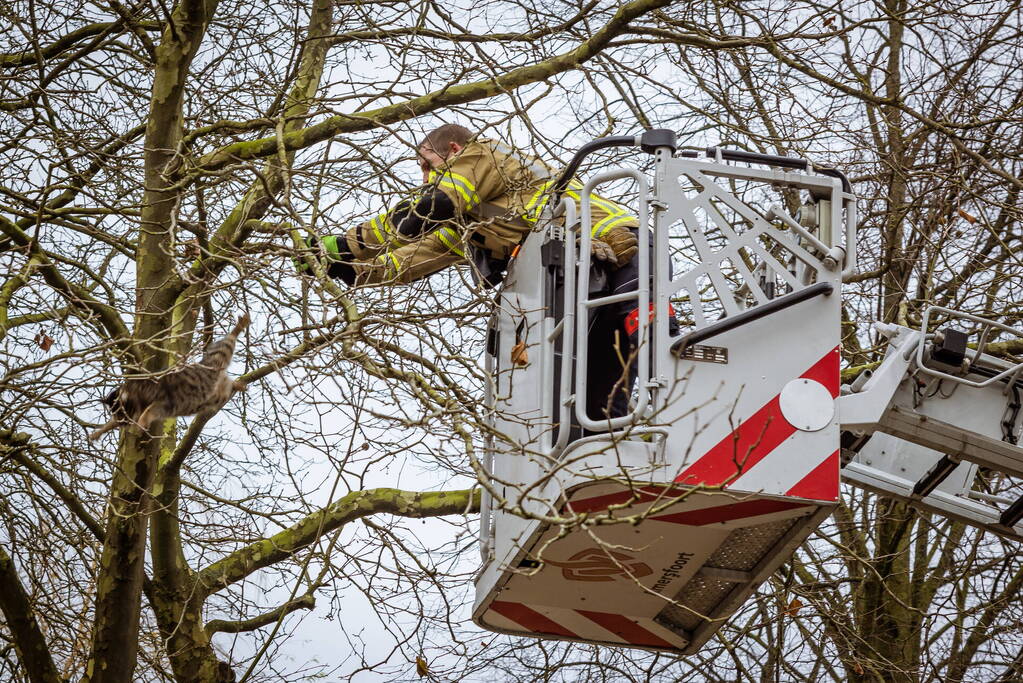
point(535, 167)
point(488, 211)
point(450, 238)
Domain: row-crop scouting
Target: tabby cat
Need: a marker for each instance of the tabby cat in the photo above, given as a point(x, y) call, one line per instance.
point(202, 387)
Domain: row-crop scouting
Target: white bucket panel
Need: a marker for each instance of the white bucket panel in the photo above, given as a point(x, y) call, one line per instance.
point(652, 585)
point(726, 423)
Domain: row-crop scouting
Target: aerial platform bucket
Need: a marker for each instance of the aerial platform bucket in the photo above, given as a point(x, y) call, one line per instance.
point(654, 528)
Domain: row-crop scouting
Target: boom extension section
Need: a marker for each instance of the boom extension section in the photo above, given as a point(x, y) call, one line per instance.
point(937, 424)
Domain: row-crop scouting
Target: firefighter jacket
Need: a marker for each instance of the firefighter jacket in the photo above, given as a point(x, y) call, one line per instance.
point(487, 197)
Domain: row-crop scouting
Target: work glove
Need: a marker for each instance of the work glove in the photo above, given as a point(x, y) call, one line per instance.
point(603, 252)
point(338, 257)
point(299, 263)
point(623, 242)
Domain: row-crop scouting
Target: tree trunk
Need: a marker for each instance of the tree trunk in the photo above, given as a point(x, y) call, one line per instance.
point(121, 570)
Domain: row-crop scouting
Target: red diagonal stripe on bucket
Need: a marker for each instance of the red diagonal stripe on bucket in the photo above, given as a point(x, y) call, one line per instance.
point(821, 483)
point(757, 436)
point(530, 619)
point(626, 629)
point(728, 513)
point(826, 372)
point(643, 494)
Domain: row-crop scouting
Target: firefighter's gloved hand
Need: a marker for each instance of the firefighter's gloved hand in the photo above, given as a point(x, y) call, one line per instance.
point(623, 242)
point(602, 251)
point(339, 257)
point(301, 267)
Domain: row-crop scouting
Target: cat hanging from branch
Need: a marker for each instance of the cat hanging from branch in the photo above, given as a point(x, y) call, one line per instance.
point(196, 388)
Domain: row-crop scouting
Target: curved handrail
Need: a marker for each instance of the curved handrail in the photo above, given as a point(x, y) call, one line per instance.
point(584, 303)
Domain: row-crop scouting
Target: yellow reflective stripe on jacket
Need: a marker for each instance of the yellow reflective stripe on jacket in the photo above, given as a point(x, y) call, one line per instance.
point(379, 225)
point(536, 197)
point(533, 210)
point(533, 214)
point(609, 222)
point(609, 207)
point(545, 193)
point(390, 262)
point(460, 184)
point(616, 213)
point(450, 239)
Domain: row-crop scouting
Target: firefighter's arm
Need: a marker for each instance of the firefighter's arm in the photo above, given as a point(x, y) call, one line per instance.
point(363, 241)
point(470, 178)
point(414, 261)
point(425, 211)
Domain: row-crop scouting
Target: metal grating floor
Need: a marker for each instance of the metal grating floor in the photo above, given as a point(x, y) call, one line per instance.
point(745, 547)
point(742, 550)
point(697, 598)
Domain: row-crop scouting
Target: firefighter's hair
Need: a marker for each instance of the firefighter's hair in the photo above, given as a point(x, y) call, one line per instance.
point(438, 139)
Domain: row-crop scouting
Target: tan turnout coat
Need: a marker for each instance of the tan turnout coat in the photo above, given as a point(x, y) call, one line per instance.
point(498, 196)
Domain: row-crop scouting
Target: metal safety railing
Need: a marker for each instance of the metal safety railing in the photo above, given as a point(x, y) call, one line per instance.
point(563, 330)
point(585, 304)
point(848, 256)
point(1010, 374)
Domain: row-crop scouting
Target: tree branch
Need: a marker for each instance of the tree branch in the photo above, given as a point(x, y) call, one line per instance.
point(356, 505)
point(307, 601)
point(28, 638)
point(78, 296)
point(14, 444)
point(64, 43)
point(446, 97)
point(115, 636)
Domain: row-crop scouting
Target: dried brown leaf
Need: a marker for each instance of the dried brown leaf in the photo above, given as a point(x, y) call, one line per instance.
point(44, 341)
point(519, 355)
point(422, 668)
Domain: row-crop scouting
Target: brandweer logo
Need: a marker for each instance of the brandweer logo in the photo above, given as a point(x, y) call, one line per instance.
point(596, 564)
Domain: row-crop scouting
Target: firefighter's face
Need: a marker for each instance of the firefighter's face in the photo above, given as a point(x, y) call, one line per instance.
point(430, 159)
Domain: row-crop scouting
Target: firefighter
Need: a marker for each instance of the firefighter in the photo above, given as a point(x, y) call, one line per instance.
point(479, 200)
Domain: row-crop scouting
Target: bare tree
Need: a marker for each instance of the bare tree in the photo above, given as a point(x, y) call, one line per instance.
point(164, 165)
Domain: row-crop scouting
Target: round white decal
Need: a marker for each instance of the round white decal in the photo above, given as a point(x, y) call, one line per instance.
point(807, 405)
